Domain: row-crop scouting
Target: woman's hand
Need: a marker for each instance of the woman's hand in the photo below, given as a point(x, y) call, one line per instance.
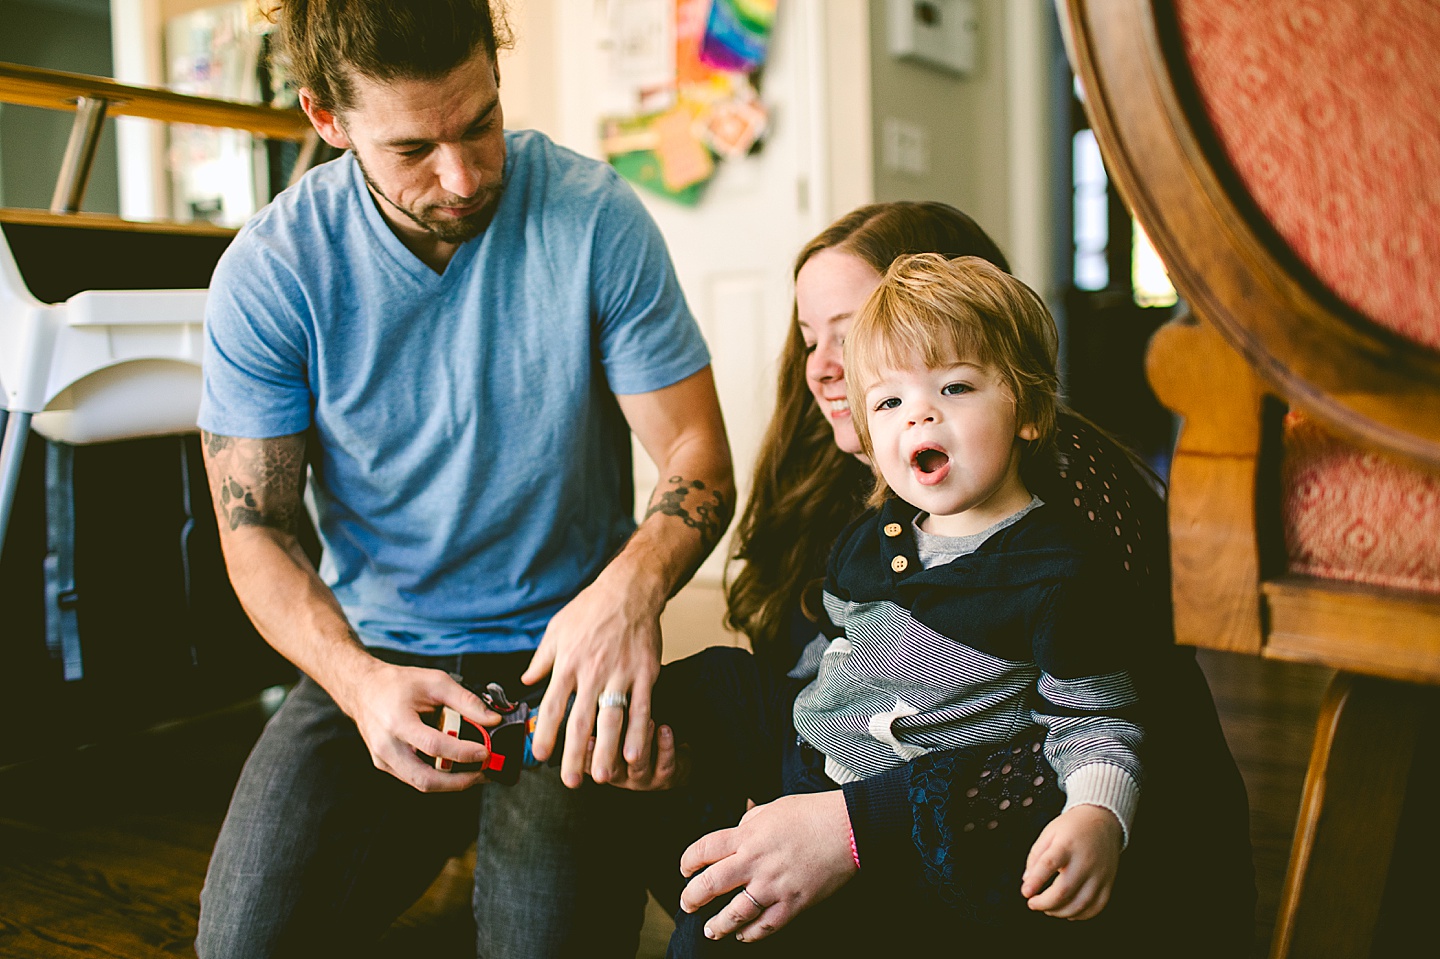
point(1080, 848)
point(667, 767)
point(783, 857)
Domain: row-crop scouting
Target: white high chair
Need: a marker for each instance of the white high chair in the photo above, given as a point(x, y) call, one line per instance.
point(105, 364)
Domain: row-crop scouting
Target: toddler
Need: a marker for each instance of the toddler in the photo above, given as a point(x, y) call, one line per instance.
point(964, 609)
point(962, 617)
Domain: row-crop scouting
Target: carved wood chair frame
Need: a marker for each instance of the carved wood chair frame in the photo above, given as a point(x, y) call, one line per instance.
point(1261, 326)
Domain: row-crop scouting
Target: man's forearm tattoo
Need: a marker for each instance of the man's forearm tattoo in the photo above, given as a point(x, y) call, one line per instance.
point(258, 484)
point(216, 444)
point(708, 517)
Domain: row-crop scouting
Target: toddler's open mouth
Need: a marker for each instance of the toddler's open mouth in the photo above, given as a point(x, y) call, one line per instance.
point(930, 459)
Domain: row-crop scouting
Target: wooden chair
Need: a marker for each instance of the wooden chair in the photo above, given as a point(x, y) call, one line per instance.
point(1282, 159)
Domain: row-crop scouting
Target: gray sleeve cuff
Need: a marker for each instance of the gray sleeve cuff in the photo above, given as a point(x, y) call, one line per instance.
point(1107, 786)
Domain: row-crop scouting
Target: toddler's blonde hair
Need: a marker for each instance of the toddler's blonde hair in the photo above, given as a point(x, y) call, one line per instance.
point(932, 311)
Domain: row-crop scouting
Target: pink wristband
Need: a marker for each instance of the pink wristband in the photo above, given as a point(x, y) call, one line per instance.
point(854, 853)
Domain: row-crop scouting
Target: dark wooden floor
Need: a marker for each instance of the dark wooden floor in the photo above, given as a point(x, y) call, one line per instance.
point(1268, 710)
point(102, 851)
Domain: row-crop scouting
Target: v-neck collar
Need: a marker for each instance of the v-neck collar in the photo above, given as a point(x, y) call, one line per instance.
point(402, 255)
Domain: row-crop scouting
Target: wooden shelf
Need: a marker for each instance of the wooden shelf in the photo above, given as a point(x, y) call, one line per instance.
point(106, 221)
point(54, 90)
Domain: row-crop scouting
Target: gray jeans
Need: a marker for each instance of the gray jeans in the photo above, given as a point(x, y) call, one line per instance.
point(320, 851)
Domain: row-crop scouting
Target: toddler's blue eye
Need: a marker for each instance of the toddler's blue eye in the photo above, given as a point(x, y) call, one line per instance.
point(889, 403)
point(954, 389)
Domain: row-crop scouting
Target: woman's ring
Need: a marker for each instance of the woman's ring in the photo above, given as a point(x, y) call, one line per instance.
point(746, 893)
point(614, 699)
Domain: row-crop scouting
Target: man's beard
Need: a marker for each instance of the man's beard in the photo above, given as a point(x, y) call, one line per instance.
point(447, 229)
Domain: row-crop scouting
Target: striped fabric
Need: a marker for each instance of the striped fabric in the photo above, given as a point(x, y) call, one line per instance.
point(891, 687)
point(929, 692)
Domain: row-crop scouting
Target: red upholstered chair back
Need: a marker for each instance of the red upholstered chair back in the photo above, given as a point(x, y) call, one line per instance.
point(1282, 156)
point(1326, 112)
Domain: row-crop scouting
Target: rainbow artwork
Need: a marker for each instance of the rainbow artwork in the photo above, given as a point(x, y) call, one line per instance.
point(737, 33)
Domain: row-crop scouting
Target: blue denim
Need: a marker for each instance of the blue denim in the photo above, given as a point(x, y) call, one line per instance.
point(320, 851)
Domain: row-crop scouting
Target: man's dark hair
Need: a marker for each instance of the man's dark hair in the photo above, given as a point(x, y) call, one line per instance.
point(320, 44)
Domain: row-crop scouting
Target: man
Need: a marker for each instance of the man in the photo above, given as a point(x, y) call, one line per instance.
point(453, 326)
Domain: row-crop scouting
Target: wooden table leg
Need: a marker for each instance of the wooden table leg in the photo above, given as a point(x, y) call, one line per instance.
point(1354, 791)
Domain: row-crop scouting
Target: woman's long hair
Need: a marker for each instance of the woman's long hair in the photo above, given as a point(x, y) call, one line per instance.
point(805, 489)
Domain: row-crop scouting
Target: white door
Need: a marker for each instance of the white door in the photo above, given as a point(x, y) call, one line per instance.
point(734, 251)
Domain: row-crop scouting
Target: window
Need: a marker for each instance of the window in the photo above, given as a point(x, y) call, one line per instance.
point(1100, 222)
point(1148, 278)
point(1092, 213)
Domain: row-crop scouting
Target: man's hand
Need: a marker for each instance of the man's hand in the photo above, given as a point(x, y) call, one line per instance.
point(387, 703)
point(1080, 850)
point(255, 485)
point(785, 856)
point(605, 640)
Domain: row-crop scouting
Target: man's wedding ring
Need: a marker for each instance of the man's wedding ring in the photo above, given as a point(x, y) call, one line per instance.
point(614, 699)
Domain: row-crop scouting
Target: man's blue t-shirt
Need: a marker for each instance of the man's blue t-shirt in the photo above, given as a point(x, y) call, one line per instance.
point(470, 466)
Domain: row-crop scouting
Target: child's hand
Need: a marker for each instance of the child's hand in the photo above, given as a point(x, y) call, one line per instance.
point(1081, 849)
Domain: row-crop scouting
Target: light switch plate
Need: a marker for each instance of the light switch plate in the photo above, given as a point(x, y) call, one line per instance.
point(936, 33)
point(906, 147)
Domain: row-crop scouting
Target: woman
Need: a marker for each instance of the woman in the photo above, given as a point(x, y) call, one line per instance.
point(907, 826)
point(811, 479)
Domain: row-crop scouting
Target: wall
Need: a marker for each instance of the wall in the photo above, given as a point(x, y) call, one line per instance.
point(964, 117)
point(529, 70)
point(138, 27)
point(991, 144)
point(70, 35)
point(174, 8)
point(847, 107)
point(990, 132)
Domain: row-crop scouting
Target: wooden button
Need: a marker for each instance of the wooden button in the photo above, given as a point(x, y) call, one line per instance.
point(899, 563)
point(892, 529)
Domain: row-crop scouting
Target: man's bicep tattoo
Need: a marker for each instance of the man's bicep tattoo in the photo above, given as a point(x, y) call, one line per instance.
point(255, 482)
point(698, 507)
